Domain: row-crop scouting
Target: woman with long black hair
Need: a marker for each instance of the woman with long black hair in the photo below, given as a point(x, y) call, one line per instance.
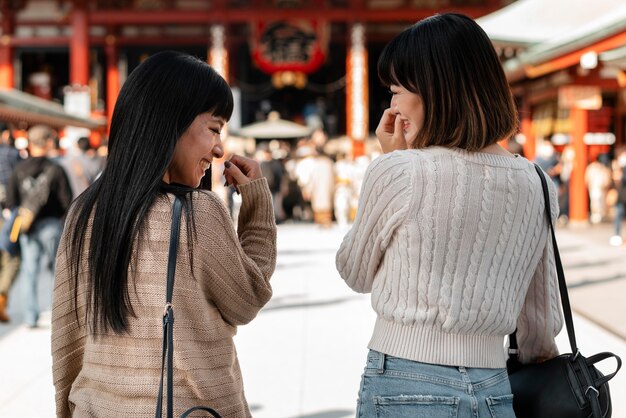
point(107, 318)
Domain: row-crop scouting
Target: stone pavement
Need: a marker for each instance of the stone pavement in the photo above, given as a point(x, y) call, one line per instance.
point(596, 275)
point(304, 354)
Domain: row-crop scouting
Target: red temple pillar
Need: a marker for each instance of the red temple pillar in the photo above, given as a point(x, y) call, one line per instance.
point(6, 50)
point(79, 45)
point(579, 197)
point(112, 75)
point(218, 54)
point(357, 109)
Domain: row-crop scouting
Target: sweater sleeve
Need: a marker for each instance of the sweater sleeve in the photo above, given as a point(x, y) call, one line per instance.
point(541, 319)
point(383, 206)
point(236, 266)
point(68, 335)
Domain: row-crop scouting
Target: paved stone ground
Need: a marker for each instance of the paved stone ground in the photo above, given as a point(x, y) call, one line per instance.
point(303, 355)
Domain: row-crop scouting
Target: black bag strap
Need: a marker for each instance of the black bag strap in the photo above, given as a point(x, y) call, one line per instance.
point(200, 408)
point(168, 316)
point(567, 310)
point(596, 358)
point(168, 325)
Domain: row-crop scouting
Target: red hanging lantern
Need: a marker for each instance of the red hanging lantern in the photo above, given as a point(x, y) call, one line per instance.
point(295, 45)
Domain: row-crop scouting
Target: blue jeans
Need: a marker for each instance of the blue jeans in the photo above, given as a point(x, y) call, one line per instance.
point(39, 244)
point(392, 387)
point(619, 216)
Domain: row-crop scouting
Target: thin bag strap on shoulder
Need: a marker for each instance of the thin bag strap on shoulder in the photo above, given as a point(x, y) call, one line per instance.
point(168, 316)
point(567, 310)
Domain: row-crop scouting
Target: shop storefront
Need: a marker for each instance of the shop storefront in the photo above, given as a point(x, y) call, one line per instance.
point(567, 74)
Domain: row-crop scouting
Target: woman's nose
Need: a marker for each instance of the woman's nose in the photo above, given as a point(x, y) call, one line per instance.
point(218, 149)
point(394, 105)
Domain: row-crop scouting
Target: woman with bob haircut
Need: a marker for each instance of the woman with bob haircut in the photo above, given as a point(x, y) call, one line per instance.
point(451, 236)
point(109, 295)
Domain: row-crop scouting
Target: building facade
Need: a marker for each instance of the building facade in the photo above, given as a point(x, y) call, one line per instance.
point(313, 61)
point(566, 64)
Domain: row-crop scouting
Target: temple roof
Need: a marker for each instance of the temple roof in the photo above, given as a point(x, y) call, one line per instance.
point(17, 106)
point(530, 22)
point(548, 29)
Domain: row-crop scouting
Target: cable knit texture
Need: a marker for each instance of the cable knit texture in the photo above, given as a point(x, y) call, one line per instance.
point(454, 248)
point(110, 375)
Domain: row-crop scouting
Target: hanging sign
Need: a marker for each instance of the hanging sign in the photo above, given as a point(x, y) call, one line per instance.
point(580, 97)
point(295, 45)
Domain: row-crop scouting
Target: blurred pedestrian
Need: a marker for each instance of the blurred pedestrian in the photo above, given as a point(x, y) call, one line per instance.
point(9, 264)
point(320, 188)
point(41, 191)
point(598, 179)
point(620, 205)
point(548, 159)
point(110, 291)
point(305, 170)
point(273, 171)
point(451, 236)
point(343, 189)
point(80, 167)
point(293, 200)
point(567, 166)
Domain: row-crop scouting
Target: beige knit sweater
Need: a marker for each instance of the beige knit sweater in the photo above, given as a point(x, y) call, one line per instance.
point(118, 375)
point(454, 248)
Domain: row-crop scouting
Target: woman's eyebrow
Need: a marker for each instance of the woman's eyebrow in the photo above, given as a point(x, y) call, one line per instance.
point(217, 119)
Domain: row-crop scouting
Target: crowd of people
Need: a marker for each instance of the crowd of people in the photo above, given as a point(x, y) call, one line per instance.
point(38, 182)
point(605, 180)
point(309, 184)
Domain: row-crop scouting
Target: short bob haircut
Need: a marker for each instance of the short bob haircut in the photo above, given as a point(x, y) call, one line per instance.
point(450, 62)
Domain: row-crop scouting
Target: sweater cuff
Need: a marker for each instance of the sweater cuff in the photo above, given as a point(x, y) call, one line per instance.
point(256, 202)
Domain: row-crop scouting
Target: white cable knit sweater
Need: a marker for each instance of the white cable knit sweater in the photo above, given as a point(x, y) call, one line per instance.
point(453, 245)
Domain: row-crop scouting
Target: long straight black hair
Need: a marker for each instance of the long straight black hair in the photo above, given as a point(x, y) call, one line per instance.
point(158, 102)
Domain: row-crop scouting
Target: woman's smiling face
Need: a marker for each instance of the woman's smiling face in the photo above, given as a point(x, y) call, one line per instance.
point(409, 107)
point(195, 150)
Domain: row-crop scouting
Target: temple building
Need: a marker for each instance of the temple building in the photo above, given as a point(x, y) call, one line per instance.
point(312, 61)
point(566, 64)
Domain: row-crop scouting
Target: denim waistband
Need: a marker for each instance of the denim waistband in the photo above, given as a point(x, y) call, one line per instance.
point(456, 376)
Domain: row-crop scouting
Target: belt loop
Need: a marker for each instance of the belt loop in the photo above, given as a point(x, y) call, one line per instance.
point(381, 363)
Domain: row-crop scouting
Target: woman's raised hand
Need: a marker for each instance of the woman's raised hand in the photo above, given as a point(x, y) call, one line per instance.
point(240, 170)
point(390, 133)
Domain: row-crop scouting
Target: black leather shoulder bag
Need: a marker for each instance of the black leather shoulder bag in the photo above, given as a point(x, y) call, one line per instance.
point(168, 326)
point(569, 385)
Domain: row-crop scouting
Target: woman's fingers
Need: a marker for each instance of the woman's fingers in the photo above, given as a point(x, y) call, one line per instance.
point(386, 124)
point(398, 134)
point(240, 170)
point(390, 133)
point(249, 167)
point(234, 175)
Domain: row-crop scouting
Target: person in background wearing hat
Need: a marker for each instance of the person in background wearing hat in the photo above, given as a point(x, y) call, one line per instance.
point(41, 190)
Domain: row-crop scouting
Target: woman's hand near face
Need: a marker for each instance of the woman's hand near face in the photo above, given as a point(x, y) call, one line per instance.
point(390, 133)
point(240, 170)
